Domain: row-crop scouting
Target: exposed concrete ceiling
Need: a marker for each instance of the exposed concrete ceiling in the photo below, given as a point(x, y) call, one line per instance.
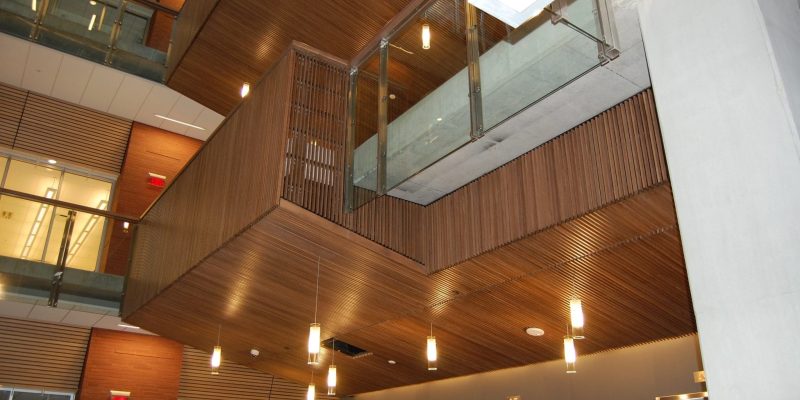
point(40, 69)
point(581, 100)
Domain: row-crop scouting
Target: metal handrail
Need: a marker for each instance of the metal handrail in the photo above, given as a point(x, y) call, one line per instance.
point(64, 204)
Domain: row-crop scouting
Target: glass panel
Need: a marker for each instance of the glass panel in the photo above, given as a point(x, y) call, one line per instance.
point(5, 394)
point(3, 163)
point(536, 60)
point(583, 14)
point(133, 53)
point(429, 114)
point(87, 235)
point(24, 228)
point(34, 179)
point(85, 191)
point(365, 164)
point(26, 395)
point(82, 28)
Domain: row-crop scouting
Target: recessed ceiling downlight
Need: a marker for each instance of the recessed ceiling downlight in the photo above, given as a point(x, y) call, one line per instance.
point(534, 331)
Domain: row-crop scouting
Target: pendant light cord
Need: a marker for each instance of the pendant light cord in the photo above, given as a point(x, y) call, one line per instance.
point(316, 296)
point(333, 351)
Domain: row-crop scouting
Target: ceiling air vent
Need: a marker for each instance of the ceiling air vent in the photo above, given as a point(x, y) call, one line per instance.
point(345, 348)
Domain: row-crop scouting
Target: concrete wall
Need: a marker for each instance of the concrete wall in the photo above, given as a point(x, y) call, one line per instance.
point(725, 77)
point(636, 373)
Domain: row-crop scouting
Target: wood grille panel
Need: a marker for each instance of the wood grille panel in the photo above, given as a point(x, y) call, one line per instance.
point(205, 205)
point(41, 355)
point(234, 381)
point(190, 20)
point(12, 104)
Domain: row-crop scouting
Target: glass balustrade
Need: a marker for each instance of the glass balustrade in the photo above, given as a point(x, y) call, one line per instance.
point(453, 72)
point(113, 32)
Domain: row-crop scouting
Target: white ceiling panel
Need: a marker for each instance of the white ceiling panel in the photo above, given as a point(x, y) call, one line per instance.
point(108, 322)
point(12, 63)
point(159, 101)
point(131, 95)
point(15, 309)
point(102, 88)
point(81, 318)
point(48, 314)
point(72, 78)
point(207, 119)
point(41, 69)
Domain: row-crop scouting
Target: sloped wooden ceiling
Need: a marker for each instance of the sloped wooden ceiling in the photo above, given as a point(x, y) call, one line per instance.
point(238, 40)
point(235, 240)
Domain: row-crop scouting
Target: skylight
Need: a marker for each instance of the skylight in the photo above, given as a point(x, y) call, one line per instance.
point(512, 12)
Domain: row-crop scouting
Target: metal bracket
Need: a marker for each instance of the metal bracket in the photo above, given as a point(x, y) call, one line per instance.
point(61, 264)
point(609, 48)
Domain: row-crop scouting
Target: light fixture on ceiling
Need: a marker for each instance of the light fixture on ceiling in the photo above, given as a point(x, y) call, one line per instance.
point(37, 224)
point(570, 356)
point(33, 5)
point(534, 331)
point(216, 355)
point(127, 326)
point(314, 329)
point(91, 22)
point(576, 318)
point(392, 362)
point(332, 371)
point(52, 162)
point(312, 390)
point(431, 351)
point(245, 90)
point(512, 12)
point(179, 122)
point(426, 36)
point(125, 226)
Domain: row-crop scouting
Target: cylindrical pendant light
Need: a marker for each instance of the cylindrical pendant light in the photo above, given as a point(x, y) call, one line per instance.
point(426, 36)
point(576, 317)
point(570, 356)
point(432, 356)
point(314, 329)
point(332, 380)
point(216, 355)
point(312, 392)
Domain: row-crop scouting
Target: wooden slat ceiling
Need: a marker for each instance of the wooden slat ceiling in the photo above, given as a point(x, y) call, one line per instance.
point(241, 39)
point(260, 288)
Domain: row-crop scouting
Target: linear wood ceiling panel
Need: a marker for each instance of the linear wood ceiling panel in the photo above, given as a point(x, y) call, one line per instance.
point(589, 214)
point(243, 38)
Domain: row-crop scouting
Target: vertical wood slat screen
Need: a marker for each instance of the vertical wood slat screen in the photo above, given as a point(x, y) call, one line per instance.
point(233, 382)
point(605, 159)
point(41, 355)
point(64, 131)
point(232, 181)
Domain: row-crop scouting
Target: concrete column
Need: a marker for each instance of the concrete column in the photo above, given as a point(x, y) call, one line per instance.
point(725, 75)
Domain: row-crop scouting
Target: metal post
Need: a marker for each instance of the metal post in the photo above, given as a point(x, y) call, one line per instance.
point(352, 101)
point(112, 39)
point(39, 19)
point(58, 276)
point(474, 72)
point(609, 48)
point(383, 116)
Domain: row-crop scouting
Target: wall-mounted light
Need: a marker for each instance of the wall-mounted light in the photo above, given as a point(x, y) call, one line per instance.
point(125, 226)
point(426, 36)
point(570, 356)
point(245, 90)
point(576, 318)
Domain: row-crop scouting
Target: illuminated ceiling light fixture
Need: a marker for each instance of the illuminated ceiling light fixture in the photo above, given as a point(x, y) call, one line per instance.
point(512, 12)
point(87, 229)
point(332, 371)
point(431, 351)
point(314, 329)
point(91, 22)
point(312, 390)
point(37, 224)
point(216, 355)
point(33, 5)
point(52, 162)
point(245, 90)
point(576, 318)
point(179, 122)
point(570, 356)
point(426, 36)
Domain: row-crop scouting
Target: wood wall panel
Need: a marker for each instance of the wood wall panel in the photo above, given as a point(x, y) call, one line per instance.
point(147, 366)
point(192, 17)
point(150, 149)
point(41, 355)
point(206, 205)
point(12, 104)
point(233, 382)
